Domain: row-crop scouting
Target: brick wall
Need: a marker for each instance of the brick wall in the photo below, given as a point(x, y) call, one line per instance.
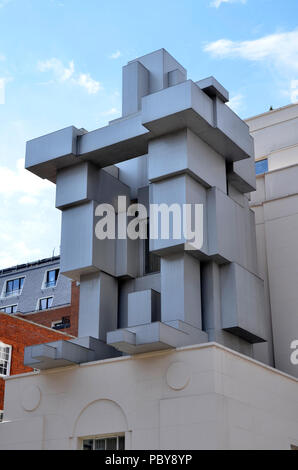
point(18, 333)
point(46, 317)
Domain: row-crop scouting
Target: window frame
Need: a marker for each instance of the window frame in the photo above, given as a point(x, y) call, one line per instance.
point(46, 284)
point(9, 306)
point(103, 438)
point(3, 345)
point(60, 322)
point(38, 309)
point(260, 160)
point(13, 293)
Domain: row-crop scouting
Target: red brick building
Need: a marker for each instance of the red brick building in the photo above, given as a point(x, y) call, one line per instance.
point(16, 333)
point(63, 318)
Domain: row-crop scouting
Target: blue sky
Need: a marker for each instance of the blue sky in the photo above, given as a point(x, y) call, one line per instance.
point(60, 64)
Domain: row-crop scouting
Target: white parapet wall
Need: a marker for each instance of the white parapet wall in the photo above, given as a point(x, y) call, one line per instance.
point(197, 397)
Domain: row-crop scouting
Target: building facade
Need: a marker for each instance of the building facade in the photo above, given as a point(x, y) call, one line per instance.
point(37, 291)
point(275, 203)
point(34, 287)
point(195, 397)
point(175, 339)
point(15, 335)
point(64, 318)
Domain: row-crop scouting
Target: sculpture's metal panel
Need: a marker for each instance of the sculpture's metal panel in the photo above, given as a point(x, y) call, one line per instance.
point(178, 145)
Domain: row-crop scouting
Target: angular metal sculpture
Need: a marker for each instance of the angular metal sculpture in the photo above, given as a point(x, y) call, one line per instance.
point(177, 143)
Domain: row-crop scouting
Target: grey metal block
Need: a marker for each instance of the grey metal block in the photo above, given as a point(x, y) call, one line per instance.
point(56, 354)
point(246, 238)
point(176, 108)
point(231, 231)
point(76, 184)
point(66, 353)
point(143, 307)
point(56, 150)
point(152, 337)
point(134, 173)
point(135, 85)
point(186, 105)
point(238, 196)
point(81, 251)
point(100, 348)
point(112, 170)
point(160, 63)
point(211, 307)
point(242, 303)
point(121, 140)
point(98, 305)
point(123, 340)
point(175, 77)
point(159, 333)
point(77, 234)
point(108, 189)
point(86, 182)
point(143, 197)
point(145, 338)
point(221, 220)
point(233, 129)
point(181, 290)
point(185, 152)
point(196, 335)
point(179, 190)
point(127, 258)
point(38, 352)
point(213, 88)
point(243, 175)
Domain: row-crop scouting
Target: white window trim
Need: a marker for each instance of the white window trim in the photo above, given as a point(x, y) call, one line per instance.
point(13, 294)
point(103, 437)
point(3, 345)
point(44, 282)
point(7, 306)
point(37, 309)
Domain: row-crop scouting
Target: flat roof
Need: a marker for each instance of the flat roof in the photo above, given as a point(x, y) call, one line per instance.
point(271, 111)
point(29, 265)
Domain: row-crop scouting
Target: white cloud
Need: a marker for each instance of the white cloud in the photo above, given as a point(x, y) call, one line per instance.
point(61, 72)
point(28, 218)
point(280, 48)
point(67, 73)
point(115, 55)
point(217, 3)
point(236, 103)
point(85, 81)
point(20, 181)
point(2, 58)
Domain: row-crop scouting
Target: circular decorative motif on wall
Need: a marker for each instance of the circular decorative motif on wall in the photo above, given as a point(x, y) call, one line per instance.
point(178, 375)
point(31, 397)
